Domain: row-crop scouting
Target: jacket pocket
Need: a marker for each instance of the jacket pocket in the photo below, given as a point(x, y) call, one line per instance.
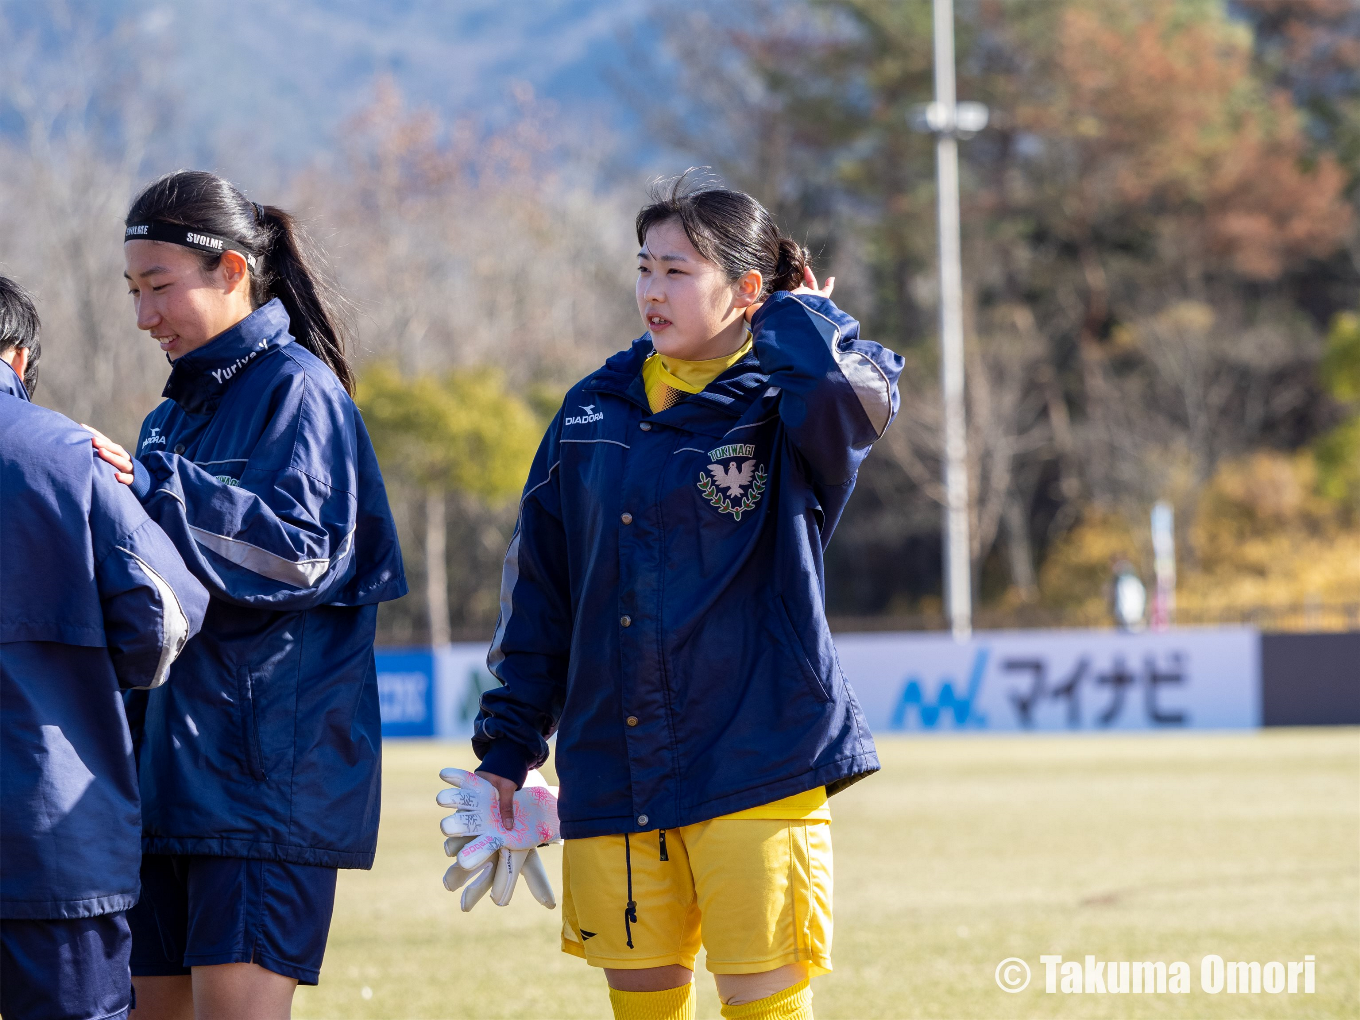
point(798, 653)
point(246, 702)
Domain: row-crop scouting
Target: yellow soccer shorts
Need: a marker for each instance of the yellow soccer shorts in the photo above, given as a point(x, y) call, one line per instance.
point(755, 892)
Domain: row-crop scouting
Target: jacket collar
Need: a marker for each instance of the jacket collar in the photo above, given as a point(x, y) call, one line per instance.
point(200, 379)
point(11, 383)
point(622, 373)
point(729, 395)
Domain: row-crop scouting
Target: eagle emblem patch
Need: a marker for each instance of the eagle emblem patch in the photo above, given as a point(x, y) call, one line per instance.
point(734, 482)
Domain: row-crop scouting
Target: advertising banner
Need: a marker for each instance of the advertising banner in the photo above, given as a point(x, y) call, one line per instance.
point(463, 677)
point(427, 692)
point(1056, 680)
point(406, 691)
point(1001, 681)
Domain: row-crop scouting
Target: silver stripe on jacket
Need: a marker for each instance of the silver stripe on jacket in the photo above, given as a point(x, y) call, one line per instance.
point(863, 374)
point(510, 578)
point(298, 573)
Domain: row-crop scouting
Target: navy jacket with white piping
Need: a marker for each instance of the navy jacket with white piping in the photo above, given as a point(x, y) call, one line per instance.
point(663, 601)
point(267, 744)
point(93, 598)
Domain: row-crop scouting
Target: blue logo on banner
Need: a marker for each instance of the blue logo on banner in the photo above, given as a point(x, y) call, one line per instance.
point(945, 699)
point(406, 692)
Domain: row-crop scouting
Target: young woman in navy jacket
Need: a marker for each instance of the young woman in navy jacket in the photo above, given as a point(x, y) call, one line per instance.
point(259, 764)
point(662, 612)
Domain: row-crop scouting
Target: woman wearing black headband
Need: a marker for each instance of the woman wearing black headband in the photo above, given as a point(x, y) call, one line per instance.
point(259, 760)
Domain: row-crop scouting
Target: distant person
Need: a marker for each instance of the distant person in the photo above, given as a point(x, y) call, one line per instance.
point(93, 599)
point(1128, 596)
point(260, 763)
point(662, 612)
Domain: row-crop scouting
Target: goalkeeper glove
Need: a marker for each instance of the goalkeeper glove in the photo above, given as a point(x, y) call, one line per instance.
point(488, 857)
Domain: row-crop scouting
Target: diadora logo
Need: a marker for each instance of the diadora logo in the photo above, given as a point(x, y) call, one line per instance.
point(226, 479)
point(585, 419)
point(223, 374)
point(743, 482)
point(154, 439)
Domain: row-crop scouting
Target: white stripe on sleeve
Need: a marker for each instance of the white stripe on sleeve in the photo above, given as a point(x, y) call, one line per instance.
point(174, 624)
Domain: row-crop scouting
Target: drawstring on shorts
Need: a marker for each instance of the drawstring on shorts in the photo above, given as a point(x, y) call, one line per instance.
point(630, 911)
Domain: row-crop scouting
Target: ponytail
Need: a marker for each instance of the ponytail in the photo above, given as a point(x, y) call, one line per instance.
point(288, 264)
point(292, 274)
point(729, 228)
point(792, 262)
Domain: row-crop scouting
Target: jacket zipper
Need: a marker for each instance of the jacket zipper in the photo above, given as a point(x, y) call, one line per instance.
point(251, 725)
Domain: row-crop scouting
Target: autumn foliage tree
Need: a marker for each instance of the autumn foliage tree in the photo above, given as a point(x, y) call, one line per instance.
point(1141, 210)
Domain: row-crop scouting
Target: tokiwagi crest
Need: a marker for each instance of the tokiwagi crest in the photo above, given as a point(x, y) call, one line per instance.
point(734, 482)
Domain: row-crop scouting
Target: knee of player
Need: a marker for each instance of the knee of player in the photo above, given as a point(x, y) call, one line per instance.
point(744, 989)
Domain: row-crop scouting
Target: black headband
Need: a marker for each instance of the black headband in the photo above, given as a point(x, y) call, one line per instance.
point(187, 237)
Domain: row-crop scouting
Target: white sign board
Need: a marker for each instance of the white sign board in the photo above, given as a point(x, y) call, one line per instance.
point(1056, 680)
point(460, 677)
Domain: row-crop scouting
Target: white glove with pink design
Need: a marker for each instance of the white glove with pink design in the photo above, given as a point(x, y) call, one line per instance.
point(487, 856)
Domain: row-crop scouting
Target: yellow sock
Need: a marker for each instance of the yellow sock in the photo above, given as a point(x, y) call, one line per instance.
point(793, 1003)
point(672, 1004)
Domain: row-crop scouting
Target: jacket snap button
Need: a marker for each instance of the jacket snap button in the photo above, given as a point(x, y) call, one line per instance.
point(646, 426)
point(625, 621)
point(626, 518)
point(642, 819)
point(632, 720)
point(179, 448)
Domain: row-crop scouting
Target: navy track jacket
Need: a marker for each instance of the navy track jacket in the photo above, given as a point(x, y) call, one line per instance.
point(267, 742)
point(93, 598)
point(663, 598)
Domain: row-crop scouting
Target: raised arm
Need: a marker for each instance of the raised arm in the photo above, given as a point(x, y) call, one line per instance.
point(838, 393)
point(533, 635)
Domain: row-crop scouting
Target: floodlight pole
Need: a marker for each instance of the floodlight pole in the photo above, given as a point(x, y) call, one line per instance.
point(958, 559)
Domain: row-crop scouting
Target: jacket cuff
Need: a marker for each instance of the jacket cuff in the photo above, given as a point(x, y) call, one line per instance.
point(141, 481)
point(504, 760)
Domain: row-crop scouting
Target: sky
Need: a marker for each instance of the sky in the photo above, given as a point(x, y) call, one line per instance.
point(277, 78)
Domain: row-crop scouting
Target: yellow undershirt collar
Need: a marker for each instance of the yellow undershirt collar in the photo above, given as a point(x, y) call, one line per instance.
point(660, 372)
point(693, 376)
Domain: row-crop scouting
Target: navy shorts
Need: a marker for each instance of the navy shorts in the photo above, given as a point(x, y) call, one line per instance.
point(74, 969)
point(201, 911)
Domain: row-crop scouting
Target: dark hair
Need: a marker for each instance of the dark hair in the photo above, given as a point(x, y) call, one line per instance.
point(19, 327)
point(728, 228)
point(289, 267)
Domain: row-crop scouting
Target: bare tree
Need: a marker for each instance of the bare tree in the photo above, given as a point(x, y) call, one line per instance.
point(65, 183)
point(470, 247)
point(1008, 425)
point(476, 247)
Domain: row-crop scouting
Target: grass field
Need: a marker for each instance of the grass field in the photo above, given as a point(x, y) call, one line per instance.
point(962, 852)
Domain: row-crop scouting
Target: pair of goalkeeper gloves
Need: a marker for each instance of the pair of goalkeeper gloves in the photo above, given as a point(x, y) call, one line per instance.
point(488, 857)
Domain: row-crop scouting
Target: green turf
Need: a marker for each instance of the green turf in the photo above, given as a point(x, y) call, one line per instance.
point(962, 852)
